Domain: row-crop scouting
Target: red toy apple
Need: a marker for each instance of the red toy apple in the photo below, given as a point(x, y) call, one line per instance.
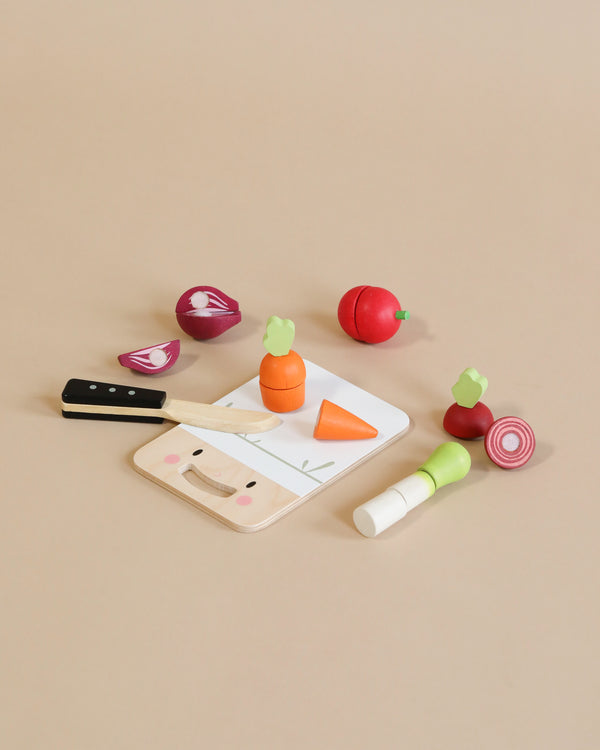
point(370, 313)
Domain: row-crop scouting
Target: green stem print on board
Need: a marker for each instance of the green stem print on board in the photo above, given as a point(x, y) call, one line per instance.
point(303, 468)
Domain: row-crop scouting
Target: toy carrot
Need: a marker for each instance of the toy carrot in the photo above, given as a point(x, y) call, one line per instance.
point(336, 423)
point(282, 371)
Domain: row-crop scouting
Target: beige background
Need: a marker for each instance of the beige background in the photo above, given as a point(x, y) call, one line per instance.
point(286, 152)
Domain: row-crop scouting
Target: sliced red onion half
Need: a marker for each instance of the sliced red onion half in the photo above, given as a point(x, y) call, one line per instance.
point(204, 312)
point(152, 359)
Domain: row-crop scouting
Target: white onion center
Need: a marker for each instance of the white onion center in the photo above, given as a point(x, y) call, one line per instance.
point(158, 357)
point(199, 300)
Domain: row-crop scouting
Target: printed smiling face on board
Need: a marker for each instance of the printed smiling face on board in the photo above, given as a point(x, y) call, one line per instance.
point(212, 480)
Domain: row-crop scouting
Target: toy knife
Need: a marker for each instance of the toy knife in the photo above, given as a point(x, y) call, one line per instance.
point(90, 399)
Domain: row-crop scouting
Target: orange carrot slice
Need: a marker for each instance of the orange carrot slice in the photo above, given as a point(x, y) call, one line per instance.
point(335, 423)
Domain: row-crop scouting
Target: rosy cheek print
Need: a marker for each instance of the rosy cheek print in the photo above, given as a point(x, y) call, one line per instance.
point(172, 458)
point(245, 499)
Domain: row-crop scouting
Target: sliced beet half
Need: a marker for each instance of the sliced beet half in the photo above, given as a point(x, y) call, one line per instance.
point(153, 359)
point(510, 442)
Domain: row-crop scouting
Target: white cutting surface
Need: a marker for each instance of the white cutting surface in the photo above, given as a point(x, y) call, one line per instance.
point(288, 454)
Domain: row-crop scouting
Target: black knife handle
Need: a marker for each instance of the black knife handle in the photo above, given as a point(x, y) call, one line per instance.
point(108, 394)
point(111, 417)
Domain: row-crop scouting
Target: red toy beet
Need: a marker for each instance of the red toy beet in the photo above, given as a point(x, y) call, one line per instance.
point(468, 423)
point(468, 418)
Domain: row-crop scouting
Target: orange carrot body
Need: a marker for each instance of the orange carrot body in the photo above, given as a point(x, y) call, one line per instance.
point(336, 423)
point(282, 381)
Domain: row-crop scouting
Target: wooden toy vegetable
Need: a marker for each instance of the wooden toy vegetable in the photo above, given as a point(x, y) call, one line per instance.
point(468, 418)
point(510, 442)
point(449, 462)
point(282, 371)
point(336, 423)
point(205, 312)
point(153, 359)
point(370, 313)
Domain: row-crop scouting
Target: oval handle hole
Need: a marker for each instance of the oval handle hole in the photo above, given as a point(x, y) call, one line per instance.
point(202, 482)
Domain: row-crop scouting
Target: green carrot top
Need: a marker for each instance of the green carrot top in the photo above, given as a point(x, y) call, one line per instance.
point(279, 337)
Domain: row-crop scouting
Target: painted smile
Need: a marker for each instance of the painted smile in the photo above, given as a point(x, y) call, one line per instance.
point(201, 481)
